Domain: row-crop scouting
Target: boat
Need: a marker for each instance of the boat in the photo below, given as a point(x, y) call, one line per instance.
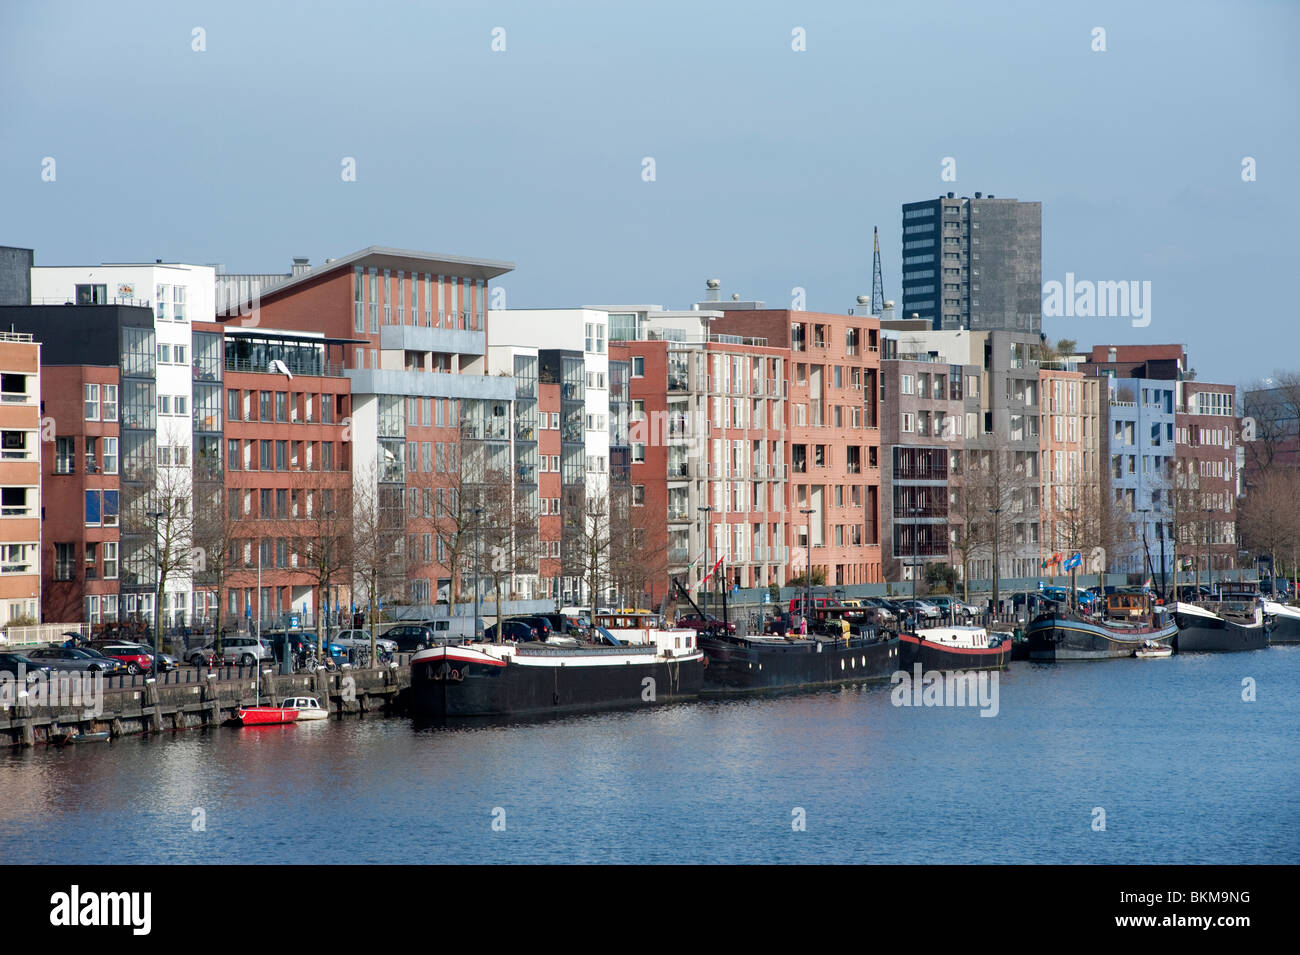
point(1222, 626)
point(308, 708)
point(651, 664)
point(956, 647)
point(1283, 621)
point(741, 663)
point(1127, 623)
point(266, 715)
point(1153, 651)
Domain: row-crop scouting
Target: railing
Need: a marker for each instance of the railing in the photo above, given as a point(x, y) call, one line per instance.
point(678, 383)
point(678, 555)
point(16, 398)
point(678, 514)
point(920, 474)
point(327, 369)
point(904, 511)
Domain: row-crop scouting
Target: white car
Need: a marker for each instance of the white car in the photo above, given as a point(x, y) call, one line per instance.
point(360, 640)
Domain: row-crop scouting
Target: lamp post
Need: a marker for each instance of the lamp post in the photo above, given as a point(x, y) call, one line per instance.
point(997, 532)
point(322, 632)
point(704, 591)
point(807, 566)
point(157, 592)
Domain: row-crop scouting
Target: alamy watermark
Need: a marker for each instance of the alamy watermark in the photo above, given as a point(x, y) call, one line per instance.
point(58, 688)
point(1087, 299)
point(949, 688)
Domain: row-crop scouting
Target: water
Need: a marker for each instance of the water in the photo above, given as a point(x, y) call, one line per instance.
point(1185, 770)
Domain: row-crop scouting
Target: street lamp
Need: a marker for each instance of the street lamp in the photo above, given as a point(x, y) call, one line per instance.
point(322, 632)
point(807, 566)
point(1074, 545)
point(157, 591)
point(915, 511)
point(997, 532)
point(704, 591)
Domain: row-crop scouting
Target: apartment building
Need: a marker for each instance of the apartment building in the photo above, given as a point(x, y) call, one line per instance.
point(107, 356)
point(416, 329)
point(177, 294)
point(1069, 430)
point(999, 494)
point(928, 408)
point(288, 471)
point(20, 478)
point(973, 263)
point(707, 421)
point(831, 431)
point(1208, 446)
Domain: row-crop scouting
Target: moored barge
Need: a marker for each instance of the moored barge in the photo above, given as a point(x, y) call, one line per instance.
point(955, 648)
point(1131, 621)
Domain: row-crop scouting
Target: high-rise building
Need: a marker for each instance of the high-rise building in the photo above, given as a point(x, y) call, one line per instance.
point(973, 263)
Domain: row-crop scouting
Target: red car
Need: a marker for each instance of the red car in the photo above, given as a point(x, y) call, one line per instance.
point(138, 659)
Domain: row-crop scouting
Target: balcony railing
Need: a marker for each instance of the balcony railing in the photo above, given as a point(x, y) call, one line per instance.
point(678, 555)
point(920, 474)
point(678, 513)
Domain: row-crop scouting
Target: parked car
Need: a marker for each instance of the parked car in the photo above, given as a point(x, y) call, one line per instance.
point(360, 640)
point(951, 607)
point(138, 659)
point(922, 609)
point(244, 651)
point(542, 625)
point(697, 623)
point(515, 630)
point(882, 606)
point(84, 659)
point(10, 662)
point(410, 637)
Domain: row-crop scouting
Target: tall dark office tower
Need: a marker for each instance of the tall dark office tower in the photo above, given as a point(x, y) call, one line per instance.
point(974, 263)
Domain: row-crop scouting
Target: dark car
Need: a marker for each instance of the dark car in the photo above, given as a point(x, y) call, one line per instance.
point(65, 658)
point(542, 625)
point(515, 630)
point(411, 637)
point(10, 662)
point(698, 623)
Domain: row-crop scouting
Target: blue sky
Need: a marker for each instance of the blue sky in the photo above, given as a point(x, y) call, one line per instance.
point(771, 165)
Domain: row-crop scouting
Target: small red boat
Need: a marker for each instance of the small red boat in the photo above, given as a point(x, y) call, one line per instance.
point(266, 715)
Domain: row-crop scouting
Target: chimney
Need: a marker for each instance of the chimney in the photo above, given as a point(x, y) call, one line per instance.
point(711, 293)
point(1112, 355)
point(300, 266)
point(979, 195)
point(887, 313)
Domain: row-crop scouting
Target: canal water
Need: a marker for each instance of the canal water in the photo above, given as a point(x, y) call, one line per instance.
point(1184, 770)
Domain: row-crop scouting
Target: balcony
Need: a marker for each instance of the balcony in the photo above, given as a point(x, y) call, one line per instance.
point(678, 555)
point(678, 381)
point(420, 338)
point(525, 433)
point(676, 513)
point(906, 512)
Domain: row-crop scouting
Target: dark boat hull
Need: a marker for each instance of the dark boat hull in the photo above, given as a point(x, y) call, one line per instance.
point(737, 665)
point(467, 688)
point(933, 656)
point(1062, 638)
point(1204, 635)
point(1285, 629)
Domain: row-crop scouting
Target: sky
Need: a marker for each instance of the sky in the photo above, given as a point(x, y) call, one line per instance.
point(771, 164)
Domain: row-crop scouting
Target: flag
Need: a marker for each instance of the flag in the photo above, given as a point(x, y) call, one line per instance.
point(1147, 585)
point(706, 577)
point(1075, 560)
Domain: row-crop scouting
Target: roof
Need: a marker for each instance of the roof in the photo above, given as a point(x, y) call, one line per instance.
point(381, 256)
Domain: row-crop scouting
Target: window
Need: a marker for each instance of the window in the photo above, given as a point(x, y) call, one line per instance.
point(65, 460)
point(638, 366)
point(638, 494)
point(108, 409)
point(92, 402)
point(638, 454)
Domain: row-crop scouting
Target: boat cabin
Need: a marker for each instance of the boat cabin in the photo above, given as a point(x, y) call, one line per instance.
point(1128, 606)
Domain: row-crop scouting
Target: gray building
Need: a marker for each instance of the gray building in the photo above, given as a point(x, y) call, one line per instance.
point(973, 264)
point(15, 276)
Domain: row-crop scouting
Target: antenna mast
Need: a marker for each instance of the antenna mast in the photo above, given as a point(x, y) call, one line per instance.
point(877, 281)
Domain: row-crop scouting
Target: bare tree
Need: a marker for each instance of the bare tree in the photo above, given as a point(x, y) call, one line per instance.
point(995, 489)
point(320, 533)
point(586, 537)
point(1271, 410)
point(1265, 517)
point(217, 522)
point(379, 558)
point(638, 548)
point(161, 514)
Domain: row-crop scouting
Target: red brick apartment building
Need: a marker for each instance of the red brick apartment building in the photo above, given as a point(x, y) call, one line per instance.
point(412, 331)
point(832, 434)
point(81, 488)
point(288, 468)
point(20, 478)
point(1206, 468)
